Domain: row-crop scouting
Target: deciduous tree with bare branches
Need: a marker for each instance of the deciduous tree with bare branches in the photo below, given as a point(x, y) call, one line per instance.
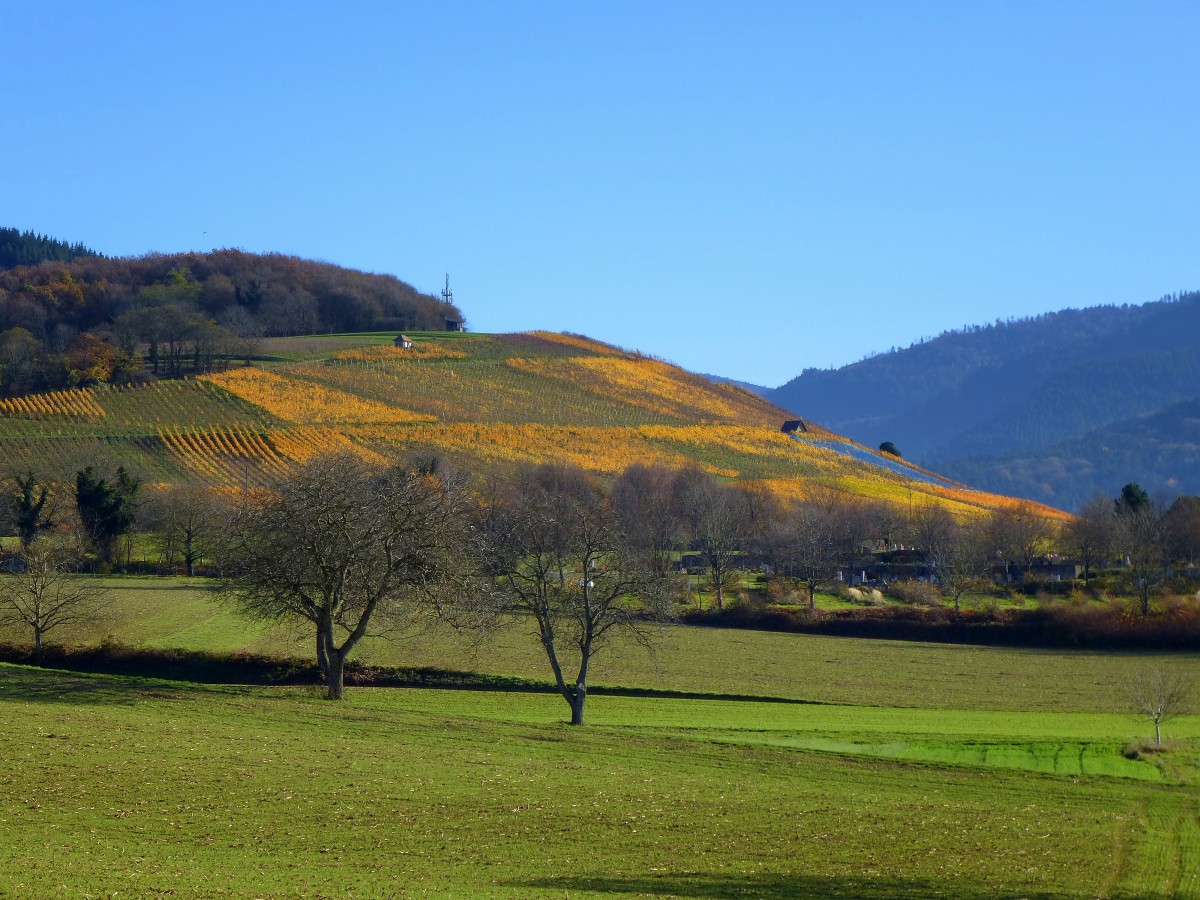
point(557, 555)
point(342, 544)
point(1159, 694)
point(45, 594)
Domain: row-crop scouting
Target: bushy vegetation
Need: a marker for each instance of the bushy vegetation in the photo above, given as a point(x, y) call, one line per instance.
point(87, 319)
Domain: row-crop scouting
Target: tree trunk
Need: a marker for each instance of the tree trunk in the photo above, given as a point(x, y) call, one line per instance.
point(37, 645)
point(812, 596)
point(577, 704)
point(334, 678)
point(322, 656)
point(718, 579)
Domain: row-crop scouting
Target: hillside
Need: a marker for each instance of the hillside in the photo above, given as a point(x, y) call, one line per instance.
point(1027, 390)
point(487, 401)
point(86, 319)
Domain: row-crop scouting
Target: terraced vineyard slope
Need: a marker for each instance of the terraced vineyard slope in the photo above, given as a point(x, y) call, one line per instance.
point(486, 401)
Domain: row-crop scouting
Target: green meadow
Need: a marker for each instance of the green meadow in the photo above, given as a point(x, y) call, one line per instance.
point(862, 769)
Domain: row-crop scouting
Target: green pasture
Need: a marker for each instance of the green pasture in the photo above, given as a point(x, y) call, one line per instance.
point(117, 786)
point(186, 613)
point(866, 769)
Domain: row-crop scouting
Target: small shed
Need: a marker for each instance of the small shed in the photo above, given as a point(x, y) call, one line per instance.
point(453, 325)
point(791, 426)
point(404, 342)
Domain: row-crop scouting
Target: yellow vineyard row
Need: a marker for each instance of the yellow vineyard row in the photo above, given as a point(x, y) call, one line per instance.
point(79, 403)
point(237, 455)
point(392, 353)
point(306, 403)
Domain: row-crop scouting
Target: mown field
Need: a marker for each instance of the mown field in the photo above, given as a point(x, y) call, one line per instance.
point(912, 771)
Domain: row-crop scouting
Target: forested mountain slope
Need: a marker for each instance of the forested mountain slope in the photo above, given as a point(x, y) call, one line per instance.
point(1161, 449)
point(1016, 389)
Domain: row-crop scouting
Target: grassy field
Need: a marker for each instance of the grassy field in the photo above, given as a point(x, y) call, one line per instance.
point(904, 771)
point(180, 612)
point(140, 788)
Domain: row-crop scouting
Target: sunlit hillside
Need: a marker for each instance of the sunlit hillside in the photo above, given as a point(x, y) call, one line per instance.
point(486, 401)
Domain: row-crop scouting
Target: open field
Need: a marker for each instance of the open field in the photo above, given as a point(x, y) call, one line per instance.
point(143, 788)
point(180, 612)
point(911, 771)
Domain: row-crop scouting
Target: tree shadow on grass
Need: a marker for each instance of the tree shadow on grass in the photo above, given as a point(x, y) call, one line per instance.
point(777, 887)
point(26, 684)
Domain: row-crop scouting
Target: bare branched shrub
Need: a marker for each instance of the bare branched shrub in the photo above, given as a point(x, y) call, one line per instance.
point(919, 593)
point(1159, 694)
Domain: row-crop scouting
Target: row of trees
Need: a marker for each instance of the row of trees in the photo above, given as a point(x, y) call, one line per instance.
point(64, 529)
point(1149, 537)
point(26, 248)
point(346, 546)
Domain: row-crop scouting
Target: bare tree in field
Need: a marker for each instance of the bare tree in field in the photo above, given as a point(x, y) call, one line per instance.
point(1020, 535)
point(1159, 694)
point(188, 523)
point(1090, 536)
point(1142, 533)
point(341, 544)
point(556, 554)
point(854, 527)
point(643, 499)
point(717, 521)
point(806, 545)
point(46, 595)
point(957, 553)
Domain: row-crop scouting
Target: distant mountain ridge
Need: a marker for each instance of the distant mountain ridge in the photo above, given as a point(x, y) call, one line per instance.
point(1027, 392)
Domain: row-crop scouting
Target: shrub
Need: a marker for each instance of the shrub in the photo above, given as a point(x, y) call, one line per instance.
point(781, 590)
point(919, 593)
point(989, 609)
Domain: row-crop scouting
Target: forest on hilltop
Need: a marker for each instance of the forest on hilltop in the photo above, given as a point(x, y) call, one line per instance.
point(88, 319)
point(25, 248)
point(1040, 407)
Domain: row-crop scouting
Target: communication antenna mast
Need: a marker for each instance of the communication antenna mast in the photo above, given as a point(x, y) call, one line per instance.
point(447, 294)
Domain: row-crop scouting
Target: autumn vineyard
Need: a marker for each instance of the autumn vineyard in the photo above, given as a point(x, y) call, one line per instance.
point(487, 401)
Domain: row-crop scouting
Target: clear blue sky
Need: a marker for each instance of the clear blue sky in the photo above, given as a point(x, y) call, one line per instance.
point(744, 188)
